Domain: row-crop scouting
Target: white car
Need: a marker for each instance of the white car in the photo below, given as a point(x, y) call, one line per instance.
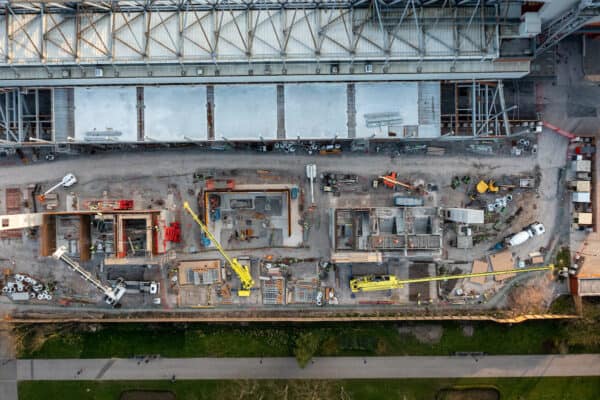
point(154, 287)
point(69, 180)
point(320, 299)
point(156, 301)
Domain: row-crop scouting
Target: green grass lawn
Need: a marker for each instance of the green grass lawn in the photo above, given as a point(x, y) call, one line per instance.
point(563, 305)
point(409, 389)
point(195, 340)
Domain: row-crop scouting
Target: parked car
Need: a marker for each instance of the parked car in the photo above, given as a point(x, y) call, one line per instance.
point(69, 180)
point(154, 287)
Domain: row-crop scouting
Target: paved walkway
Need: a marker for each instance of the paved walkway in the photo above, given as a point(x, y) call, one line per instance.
point(320, 368)
point(8, 366)
point(8, 379)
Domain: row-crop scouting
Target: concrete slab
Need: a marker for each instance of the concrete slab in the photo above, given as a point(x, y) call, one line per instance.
point(106, 109)
point(175, 112)
point(315, 111)
point(245, 112)
point(398, 103)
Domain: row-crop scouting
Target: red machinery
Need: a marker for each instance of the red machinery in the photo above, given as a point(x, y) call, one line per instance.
point(220, 184)
point(173, 232)
point(390, 181)
point(108, 205)
point(124, 205)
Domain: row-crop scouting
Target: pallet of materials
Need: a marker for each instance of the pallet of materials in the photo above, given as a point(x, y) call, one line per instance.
point(13, 206)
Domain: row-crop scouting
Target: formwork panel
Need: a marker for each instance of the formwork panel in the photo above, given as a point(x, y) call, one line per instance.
point(383, 109)
point(245, 112)
point(105, 112)
point(315, 111)
point(175, 113)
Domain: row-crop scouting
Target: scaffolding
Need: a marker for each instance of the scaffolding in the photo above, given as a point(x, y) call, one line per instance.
point(305, 292)
point(480, 109)
point(26, 115)
point(273, 291)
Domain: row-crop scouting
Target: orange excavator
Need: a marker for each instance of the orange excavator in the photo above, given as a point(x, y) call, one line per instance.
point(390, 181)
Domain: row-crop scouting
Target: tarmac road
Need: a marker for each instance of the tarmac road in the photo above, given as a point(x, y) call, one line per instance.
point(319, 368)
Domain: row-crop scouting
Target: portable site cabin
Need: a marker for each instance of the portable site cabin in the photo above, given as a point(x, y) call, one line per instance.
point(581, 165)
point(581, 197)
point(464, 215)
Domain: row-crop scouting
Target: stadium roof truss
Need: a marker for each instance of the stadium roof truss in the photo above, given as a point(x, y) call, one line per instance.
point(201, 31)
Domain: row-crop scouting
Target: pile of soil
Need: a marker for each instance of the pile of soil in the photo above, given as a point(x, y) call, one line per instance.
point(424, 333)
point(147, 395)
point(468, 394)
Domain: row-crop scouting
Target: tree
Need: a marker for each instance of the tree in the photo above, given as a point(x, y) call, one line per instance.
point(306, 347)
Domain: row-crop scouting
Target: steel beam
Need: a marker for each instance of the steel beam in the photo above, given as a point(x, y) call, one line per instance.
point(570, 21)
point(96, 6)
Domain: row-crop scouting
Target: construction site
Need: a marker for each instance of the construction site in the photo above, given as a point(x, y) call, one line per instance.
point(299, 235)
point(357, 157)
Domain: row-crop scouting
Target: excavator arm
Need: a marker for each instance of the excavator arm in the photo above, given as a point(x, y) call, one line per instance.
point(240, 270)
point(391, 181)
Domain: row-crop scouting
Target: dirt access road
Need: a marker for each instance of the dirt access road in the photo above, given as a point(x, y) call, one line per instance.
point(103, 168)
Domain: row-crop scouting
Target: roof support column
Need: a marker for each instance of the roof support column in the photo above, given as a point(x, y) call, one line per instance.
point(19, 114)
point(280, 111)
point(503, 108)
point(474, 108)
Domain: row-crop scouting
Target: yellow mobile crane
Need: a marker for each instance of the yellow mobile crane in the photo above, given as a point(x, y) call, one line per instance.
point(241, 271)
point(373, 283)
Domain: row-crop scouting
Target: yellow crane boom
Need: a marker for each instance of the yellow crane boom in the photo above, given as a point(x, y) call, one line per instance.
point(373, 283)
point(241, 271)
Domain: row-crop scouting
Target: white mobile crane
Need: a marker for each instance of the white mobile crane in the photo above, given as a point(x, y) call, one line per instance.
point(67, 181)
point(112, 295)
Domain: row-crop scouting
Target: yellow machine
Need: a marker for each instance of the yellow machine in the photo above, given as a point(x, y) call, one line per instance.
point(373, 283)
point(484, 186)
point(241, 271)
